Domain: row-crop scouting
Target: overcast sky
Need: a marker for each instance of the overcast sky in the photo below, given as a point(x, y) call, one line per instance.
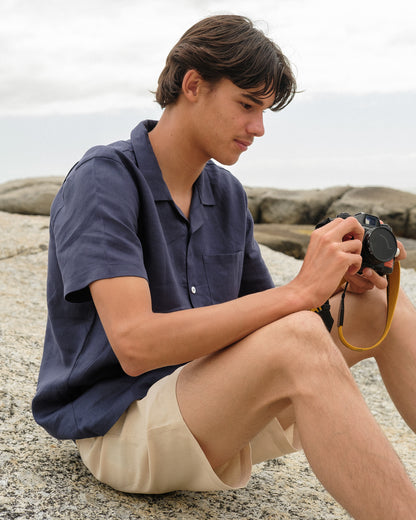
point(75, 74)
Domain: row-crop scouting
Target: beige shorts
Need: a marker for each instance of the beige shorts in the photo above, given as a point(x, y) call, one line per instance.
point(151, 450)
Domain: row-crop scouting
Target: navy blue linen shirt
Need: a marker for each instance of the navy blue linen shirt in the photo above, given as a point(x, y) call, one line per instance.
point(114, 216)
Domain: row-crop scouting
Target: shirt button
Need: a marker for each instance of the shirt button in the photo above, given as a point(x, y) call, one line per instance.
point(193, 289)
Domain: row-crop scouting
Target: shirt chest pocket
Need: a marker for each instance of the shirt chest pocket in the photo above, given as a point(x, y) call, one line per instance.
point(223, 273)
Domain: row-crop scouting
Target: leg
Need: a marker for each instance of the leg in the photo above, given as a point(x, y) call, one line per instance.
point(396, 356)
point(292, 370)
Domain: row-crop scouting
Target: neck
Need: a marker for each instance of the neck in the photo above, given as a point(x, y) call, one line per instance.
point(178, 159)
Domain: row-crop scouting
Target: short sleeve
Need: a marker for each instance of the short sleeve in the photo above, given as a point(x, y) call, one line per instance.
point(95, 222)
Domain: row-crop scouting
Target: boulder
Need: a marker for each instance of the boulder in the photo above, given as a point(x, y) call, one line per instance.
point(395, 207)
point(31, 196)
point(411, 223)
point(34, 196)
point(297, 206)
point(288, 239)
point(254, 197)
point(293, 240)
point(272, 206)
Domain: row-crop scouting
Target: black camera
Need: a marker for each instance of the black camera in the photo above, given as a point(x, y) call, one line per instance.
point(379, 243)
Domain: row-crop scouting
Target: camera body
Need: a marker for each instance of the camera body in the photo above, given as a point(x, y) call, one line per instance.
point(379, 243)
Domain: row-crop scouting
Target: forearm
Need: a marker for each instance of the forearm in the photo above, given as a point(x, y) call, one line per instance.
point(154, 340)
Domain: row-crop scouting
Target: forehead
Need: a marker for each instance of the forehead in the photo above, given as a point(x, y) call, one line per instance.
point(251, 95)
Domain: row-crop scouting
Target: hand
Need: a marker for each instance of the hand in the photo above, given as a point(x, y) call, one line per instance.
point(359, 283)
point(334, 251)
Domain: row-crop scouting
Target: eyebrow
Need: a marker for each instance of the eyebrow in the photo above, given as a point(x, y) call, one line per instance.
point(254, 99)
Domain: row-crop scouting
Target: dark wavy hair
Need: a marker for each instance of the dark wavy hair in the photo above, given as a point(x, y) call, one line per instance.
point(228, 46)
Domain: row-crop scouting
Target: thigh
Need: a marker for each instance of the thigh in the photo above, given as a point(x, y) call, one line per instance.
point(227, 398)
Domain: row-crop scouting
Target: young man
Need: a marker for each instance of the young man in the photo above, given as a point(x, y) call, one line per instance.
point(169, 355)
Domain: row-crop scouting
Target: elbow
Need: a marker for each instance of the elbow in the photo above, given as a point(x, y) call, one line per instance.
point(131, 367)
point(133, 356)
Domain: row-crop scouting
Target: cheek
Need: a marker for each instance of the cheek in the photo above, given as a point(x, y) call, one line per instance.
point(225, 126)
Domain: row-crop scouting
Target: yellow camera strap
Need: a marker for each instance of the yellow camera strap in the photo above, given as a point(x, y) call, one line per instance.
point(393, 286)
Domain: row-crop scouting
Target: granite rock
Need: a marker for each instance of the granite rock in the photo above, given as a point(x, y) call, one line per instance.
point(32, 196)
point(307, 207)
point(293, 240)
point(283, 218)
point(290, 239)
point(396, 208)
point(44, 479)
point(267, 205)
point(292, 206)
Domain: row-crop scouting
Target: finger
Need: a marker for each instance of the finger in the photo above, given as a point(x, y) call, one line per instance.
point(340, 228)
point(358, 284)
point(374, 278)
point(354, 228)
point(354, 268)
point(353, 246)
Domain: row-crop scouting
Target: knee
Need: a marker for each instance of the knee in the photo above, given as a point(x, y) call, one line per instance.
point(305, 325)
point(302, 360)
point(302, 346)
point(306, 331)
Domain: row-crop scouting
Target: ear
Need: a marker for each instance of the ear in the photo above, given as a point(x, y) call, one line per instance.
point(191, 85)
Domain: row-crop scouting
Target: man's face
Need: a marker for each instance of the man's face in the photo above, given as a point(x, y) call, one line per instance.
point(228, 120)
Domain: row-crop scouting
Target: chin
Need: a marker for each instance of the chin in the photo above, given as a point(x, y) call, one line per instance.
point(227, 161)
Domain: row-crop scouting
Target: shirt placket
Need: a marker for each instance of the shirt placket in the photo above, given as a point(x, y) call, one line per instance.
point(195, 273)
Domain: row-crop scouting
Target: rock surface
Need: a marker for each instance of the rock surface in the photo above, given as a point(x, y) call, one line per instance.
point(43, 479)
point(32, 196)
point(293, 240)
point(284, 218)
point(291, 206)
point(397, 208)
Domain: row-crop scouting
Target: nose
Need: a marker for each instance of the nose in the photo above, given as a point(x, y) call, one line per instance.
point(256, 126)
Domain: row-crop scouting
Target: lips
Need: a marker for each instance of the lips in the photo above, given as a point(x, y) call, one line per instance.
point(242, 144)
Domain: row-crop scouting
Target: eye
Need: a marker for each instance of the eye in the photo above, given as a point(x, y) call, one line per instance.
point(246, 106)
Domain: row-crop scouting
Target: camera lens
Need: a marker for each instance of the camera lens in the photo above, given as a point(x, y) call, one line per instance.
point(381, 244)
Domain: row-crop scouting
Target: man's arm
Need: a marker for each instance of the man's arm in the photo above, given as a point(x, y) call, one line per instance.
point(143, 340)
